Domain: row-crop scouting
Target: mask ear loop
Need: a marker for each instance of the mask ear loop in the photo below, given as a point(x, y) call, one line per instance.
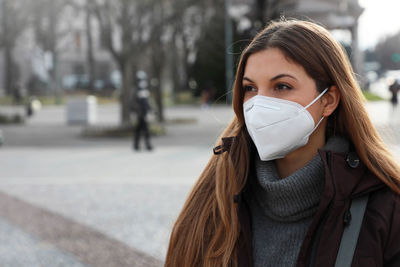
point(316, 99)
point(312, 102)
point(316, 126)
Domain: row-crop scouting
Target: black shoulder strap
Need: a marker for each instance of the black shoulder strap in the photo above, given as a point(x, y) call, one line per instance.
point(351, 232)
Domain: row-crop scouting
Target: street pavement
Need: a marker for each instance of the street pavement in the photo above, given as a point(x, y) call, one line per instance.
point(66, 200)
point(100, 186)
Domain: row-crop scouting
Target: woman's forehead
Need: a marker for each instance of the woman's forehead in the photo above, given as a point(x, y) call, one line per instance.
point(271, 62)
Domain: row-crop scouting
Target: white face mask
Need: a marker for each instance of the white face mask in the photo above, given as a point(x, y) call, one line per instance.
point(277, 126)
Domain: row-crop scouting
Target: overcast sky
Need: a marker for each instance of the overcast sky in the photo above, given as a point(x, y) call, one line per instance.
point(380, 18)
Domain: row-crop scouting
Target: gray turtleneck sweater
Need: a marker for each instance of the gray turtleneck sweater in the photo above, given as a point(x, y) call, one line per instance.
point(282, 209)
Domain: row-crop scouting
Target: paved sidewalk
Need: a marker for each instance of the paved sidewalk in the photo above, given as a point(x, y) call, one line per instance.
point(114, 202)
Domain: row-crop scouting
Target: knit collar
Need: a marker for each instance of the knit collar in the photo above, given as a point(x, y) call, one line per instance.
point(297, 196)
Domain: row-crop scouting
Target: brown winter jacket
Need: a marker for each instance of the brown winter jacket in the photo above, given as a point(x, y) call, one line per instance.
point(346, 178)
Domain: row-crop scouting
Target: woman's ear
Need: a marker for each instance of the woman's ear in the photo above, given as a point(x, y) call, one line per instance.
point(330, 100)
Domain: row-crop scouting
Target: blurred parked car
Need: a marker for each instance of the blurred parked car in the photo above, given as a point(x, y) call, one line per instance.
point(81, 82)
point(75, 82)
point(104, 85)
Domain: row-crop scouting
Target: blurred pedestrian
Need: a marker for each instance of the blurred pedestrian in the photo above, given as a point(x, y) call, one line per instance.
point(29, 107)
point(207, 95)
point(141, 106)
point(1, 138)
point(394, 89)
point(17, 94)
point(300, 176)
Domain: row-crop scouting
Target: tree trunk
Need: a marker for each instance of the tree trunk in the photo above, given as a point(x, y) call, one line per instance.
point(174, 62)
point(186, 66)
point(159, 101)
point(53, 50)
point(8, 49)
point(157, 64)
point(260, 10)
point(127, 95)
point(8, 70)
point(90, 56)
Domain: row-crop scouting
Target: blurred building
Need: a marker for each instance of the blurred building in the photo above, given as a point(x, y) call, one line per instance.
point(35, 64)
point(73, 58)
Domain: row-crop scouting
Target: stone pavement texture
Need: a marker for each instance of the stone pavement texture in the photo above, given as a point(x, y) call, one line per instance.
point(70, 201)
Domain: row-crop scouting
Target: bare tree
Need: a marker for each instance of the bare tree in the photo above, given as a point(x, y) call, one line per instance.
point(14, 20)
point(46, 20)
point(189, 20)
point(89, 36)
point(158, 57)
point(131, 28)
point(126, 31)
point(88, 7)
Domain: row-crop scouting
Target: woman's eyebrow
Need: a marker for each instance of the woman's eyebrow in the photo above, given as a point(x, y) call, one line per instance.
point(283, 75)
point(274, 78)
point(247, 79)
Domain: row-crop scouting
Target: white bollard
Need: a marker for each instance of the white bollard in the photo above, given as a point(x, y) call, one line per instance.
point(82, 110)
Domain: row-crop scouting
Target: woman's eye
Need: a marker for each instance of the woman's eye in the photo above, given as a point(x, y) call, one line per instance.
point(282, 86)
point(248, 88)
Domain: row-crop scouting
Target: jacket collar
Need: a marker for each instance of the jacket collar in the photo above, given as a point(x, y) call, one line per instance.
point(347, 176)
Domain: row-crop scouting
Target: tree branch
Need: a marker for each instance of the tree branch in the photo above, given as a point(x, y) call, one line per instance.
point(106, 28)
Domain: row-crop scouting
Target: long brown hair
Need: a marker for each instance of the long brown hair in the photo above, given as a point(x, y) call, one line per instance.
point(207, 229)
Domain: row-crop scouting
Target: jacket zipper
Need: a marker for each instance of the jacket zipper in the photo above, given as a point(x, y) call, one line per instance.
point(317, 236)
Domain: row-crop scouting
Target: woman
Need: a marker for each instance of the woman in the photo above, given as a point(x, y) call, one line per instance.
point(278, 190)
